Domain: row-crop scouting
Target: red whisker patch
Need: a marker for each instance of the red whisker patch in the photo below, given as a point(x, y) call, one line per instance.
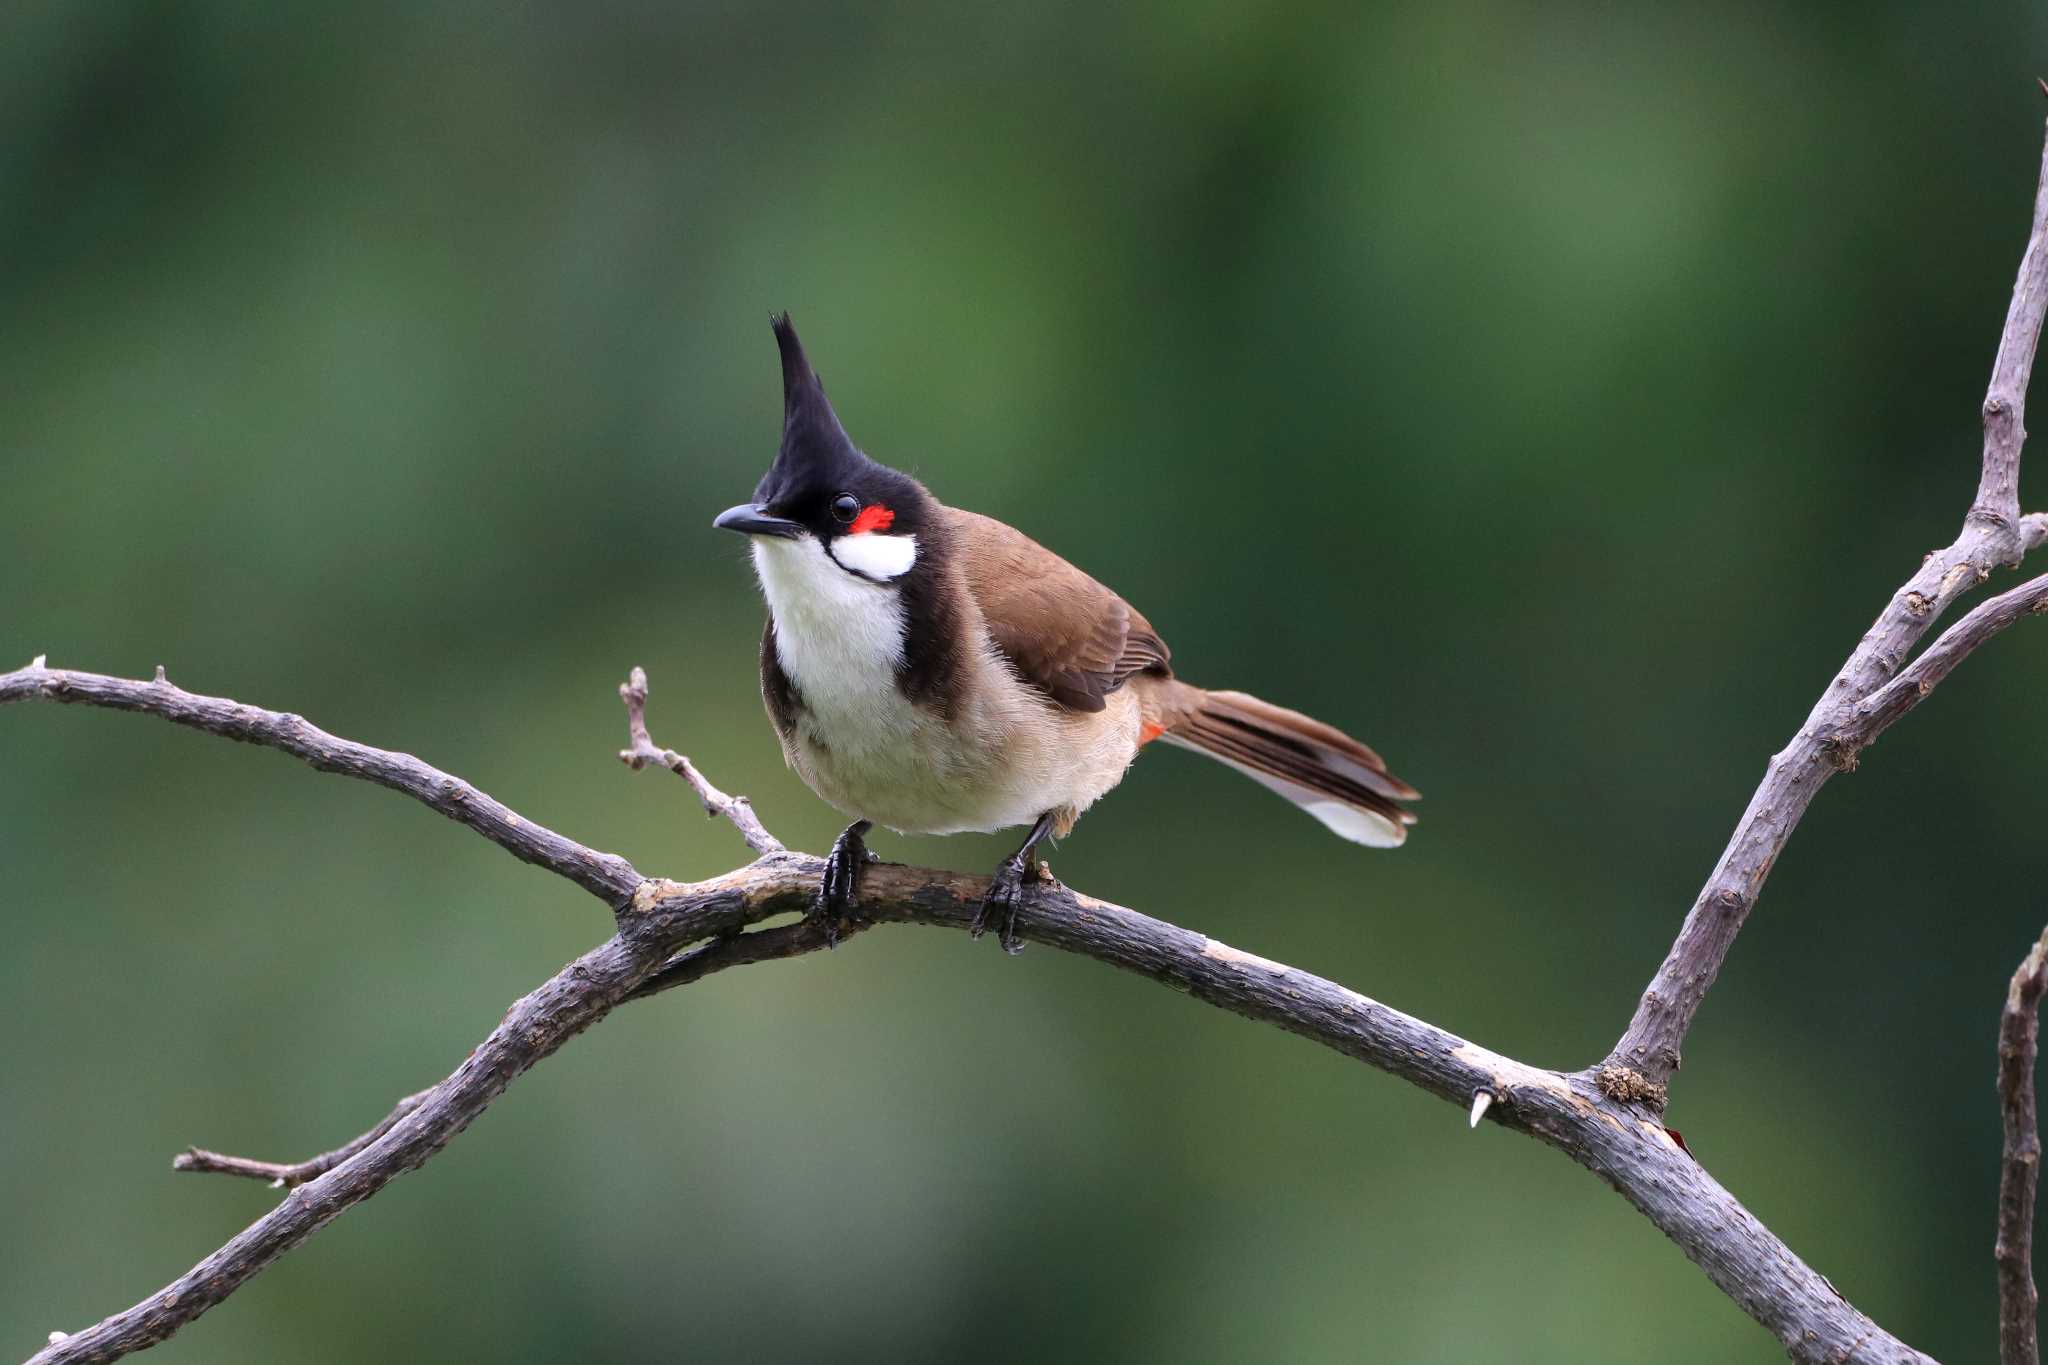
point(873, 517)
point(1148, 732)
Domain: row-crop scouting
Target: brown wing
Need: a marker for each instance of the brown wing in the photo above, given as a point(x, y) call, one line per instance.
point(1064, 632)
point(780, 694)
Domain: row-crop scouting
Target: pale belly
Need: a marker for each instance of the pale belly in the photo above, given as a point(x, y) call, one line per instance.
point(914, 773)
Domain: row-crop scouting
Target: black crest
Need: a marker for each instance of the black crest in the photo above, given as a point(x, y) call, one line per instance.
point(818, 461)
point(817, 456)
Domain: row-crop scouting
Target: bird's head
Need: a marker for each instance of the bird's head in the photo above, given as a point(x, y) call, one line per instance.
point(822, 495)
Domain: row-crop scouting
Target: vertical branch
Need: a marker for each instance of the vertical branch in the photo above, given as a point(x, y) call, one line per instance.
point(2020, 1177)
point(1993, 534)
point(2005, 401)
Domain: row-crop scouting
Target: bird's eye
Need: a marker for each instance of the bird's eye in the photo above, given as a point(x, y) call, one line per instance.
point(845, 507)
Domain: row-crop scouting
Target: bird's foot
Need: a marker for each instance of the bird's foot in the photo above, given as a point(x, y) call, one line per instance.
point(999, 906)
point(841, 882)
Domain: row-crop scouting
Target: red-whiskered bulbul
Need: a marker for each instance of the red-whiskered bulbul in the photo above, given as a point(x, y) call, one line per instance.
point(936, 672)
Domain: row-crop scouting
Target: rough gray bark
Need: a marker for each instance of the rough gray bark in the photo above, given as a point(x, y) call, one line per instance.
point(1994, 535)
point(2019, 1179)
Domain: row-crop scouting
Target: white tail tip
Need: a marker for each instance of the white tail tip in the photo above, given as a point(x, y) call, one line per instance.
point(1480, 1099)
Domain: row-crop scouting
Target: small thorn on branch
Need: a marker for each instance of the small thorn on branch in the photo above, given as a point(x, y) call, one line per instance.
point(641, 750)
point(1481, 1099)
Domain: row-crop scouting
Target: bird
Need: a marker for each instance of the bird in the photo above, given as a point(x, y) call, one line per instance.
point(935, 671)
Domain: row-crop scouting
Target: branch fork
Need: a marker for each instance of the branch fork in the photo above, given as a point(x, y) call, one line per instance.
point(1870, 691)
point(285, 1176)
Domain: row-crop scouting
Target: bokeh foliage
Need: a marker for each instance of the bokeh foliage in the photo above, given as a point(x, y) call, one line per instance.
point(1549, 394)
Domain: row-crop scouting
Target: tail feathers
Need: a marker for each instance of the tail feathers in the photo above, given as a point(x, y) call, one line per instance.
point(1317, 767)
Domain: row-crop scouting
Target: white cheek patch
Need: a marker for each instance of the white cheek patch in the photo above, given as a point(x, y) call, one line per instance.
point(876, 555)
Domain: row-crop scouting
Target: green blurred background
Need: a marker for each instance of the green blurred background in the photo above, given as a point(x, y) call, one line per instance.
point(1550, 395)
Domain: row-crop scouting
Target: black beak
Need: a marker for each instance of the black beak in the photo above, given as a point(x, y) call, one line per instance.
point(753, 519)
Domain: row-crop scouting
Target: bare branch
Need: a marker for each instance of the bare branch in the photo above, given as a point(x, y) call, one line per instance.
point(1876, 713)
point(1587, 1116)
point(605, 875)
point(288, 1176)
point(640, 751)
point(1569, 1112)
point(2005, 400)
point(1993, 535)
point(1573, 1112)
point(2019, 1028)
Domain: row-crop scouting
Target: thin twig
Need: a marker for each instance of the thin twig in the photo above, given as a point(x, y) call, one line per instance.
point(1994, 534)
point(640, 751)
point(2019, 1028)
point(605, 875)
point(289, 1175)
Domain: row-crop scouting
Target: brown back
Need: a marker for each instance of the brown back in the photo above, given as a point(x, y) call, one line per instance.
point(1065, 633)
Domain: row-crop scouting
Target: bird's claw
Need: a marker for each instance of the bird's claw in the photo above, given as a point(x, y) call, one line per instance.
point(1004, 889)
point(841, 882)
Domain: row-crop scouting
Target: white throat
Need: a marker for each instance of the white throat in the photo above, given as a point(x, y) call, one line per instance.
point(837, 636)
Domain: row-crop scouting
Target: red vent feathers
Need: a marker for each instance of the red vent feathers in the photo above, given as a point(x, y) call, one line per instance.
point(873, 517)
